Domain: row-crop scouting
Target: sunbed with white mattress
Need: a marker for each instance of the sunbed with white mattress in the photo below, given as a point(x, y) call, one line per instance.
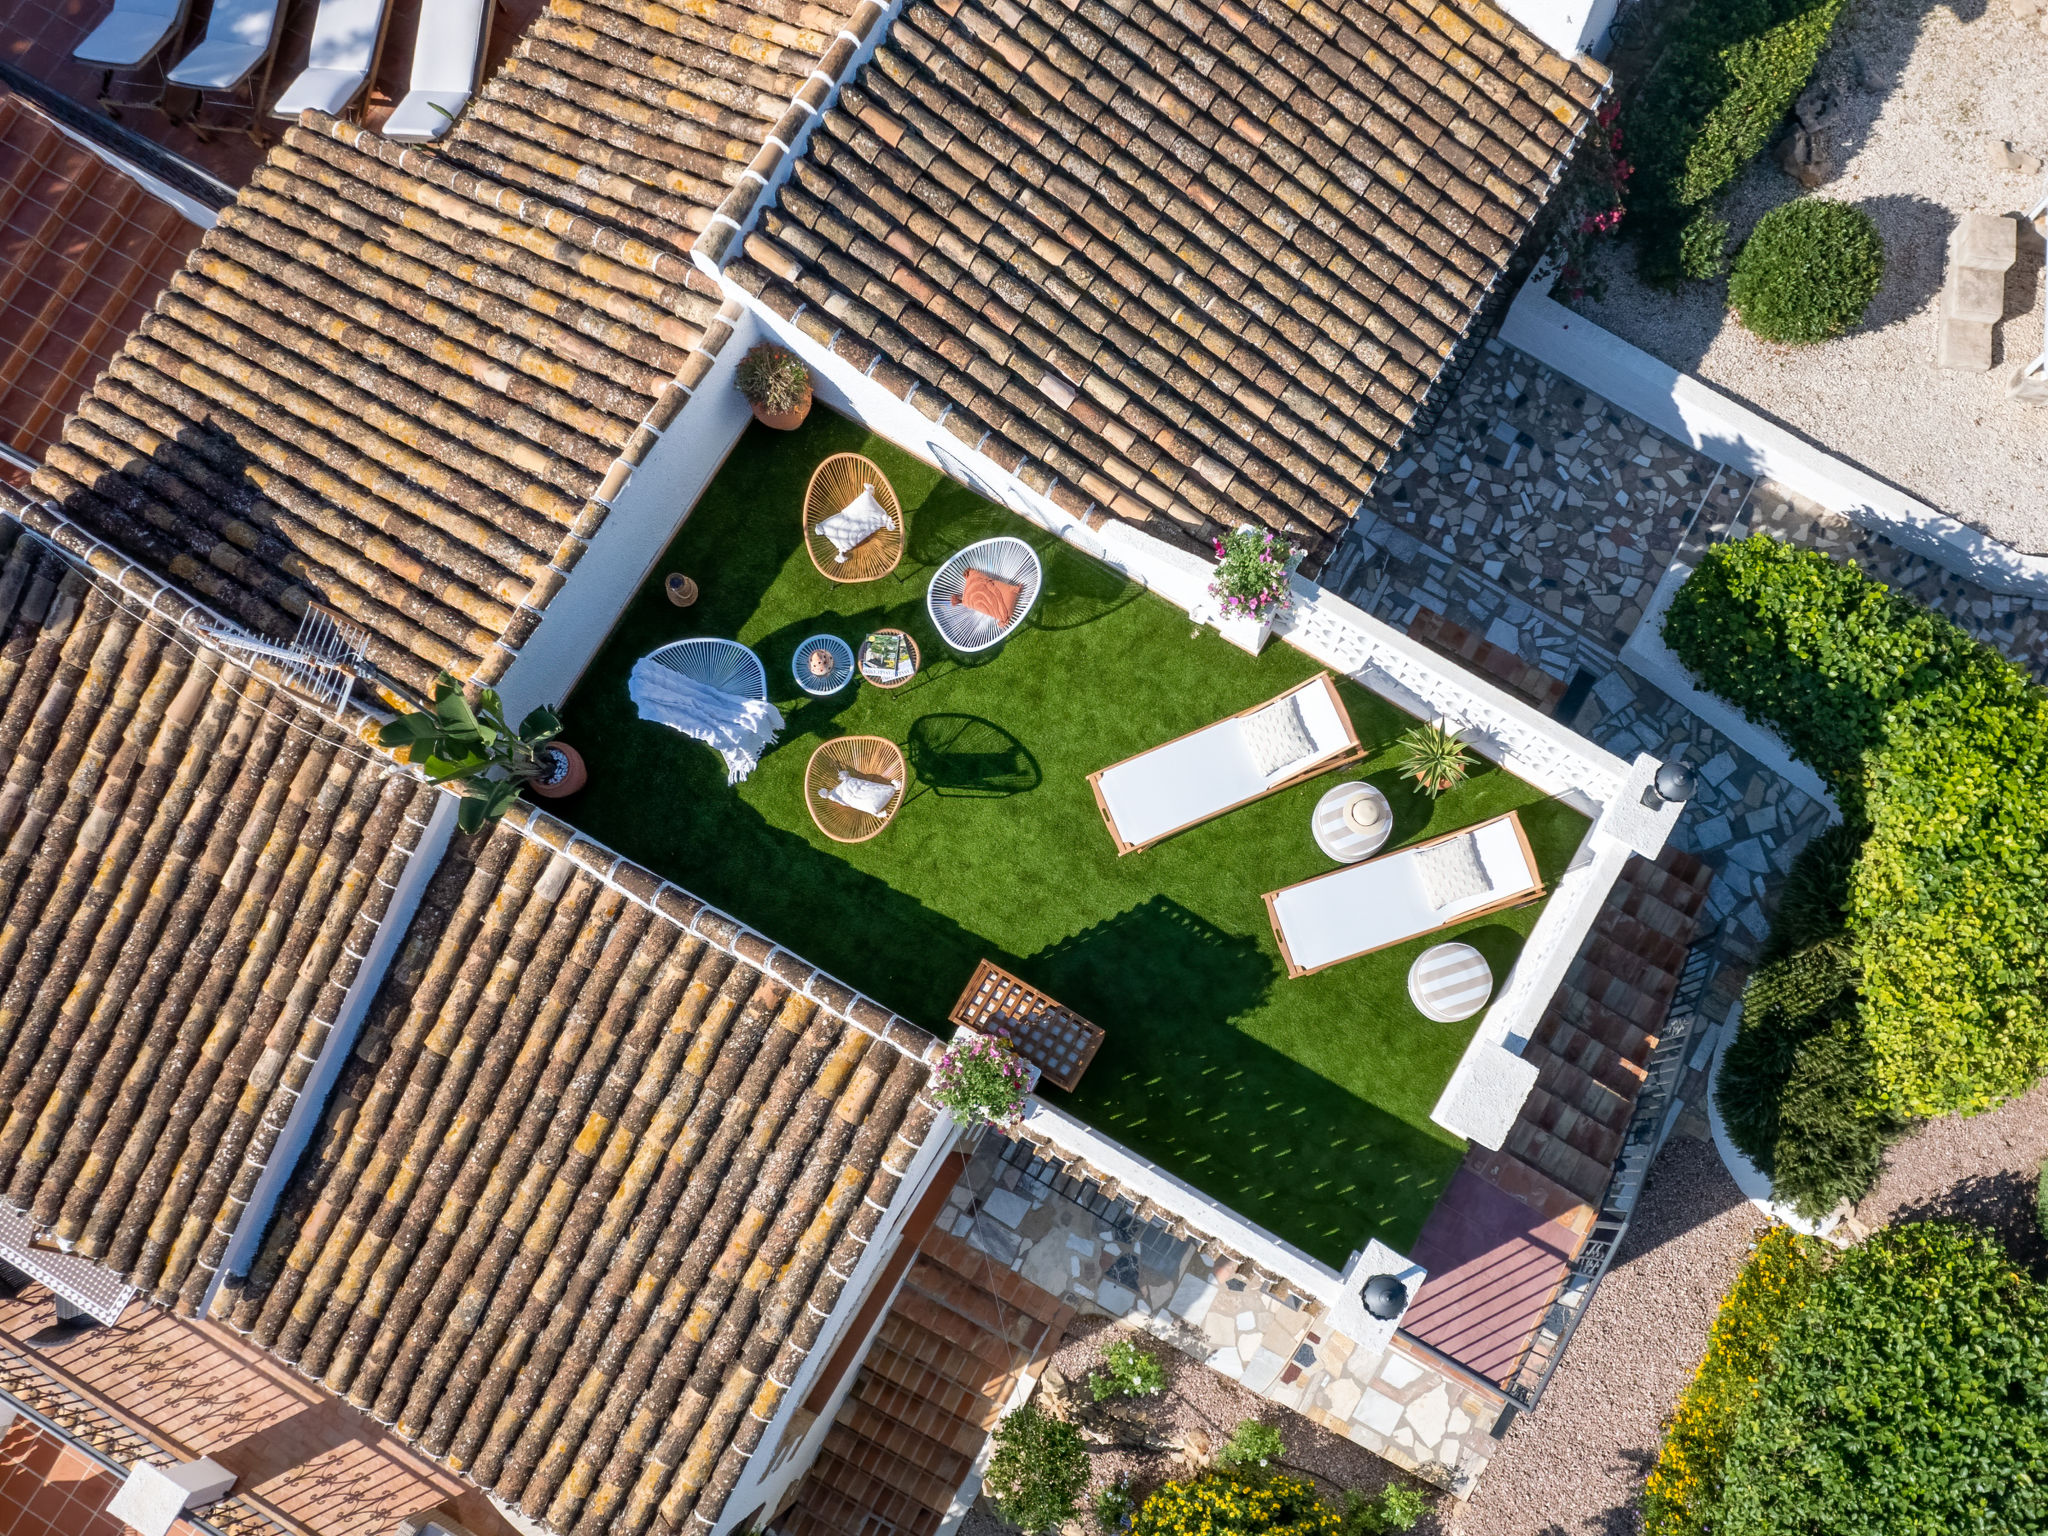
point(1201, 775)
point(447, 56)
point(1401, 896)
point(131, 34)
point(348, 35)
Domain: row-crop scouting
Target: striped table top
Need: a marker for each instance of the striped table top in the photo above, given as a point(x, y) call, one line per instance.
point(1336, 836)
point(1449, 982)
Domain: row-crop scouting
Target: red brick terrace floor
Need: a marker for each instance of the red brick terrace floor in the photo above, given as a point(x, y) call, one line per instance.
point(199, 1390)
point(38, 36)
point(48, 1489)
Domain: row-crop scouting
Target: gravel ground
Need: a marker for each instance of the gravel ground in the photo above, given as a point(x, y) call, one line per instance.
point(1197, 1399)
point(1575, 1466)
point(1927, 90)
point(1984, 1169)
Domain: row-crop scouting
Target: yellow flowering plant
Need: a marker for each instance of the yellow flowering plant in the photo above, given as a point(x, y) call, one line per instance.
point(1236, 1504)
point(1683, 1487)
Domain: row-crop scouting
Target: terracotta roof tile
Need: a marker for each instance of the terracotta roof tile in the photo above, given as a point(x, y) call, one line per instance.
point(599, 1166)
point(1201, 173)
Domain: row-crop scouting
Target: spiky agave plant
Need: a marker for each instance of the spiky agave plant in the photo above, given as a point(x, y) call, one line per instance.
point(474, 747)
point(1434, 758)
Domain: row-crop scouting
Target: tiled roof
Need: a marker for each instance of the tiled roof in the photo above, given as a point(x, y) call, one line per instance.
point(592, 1182)
point(193, 867)
point(1195, 265)
point(83, 249)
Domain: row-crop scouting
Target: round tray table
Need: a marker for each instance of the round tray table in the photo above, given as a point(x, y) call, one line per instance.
point(906, 669)
point(1335, 834)
point(1449, 982)
point(822, 683)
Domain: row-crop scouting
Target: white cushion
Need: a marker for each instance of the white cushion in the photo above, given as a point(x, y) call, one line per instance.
point(446, 50)
point(219, 66)
point(1451, 871)
point(345, 34)
point(860, 519)
point(414, 120)
point(125, 40)
point(324, 90)
point(869, 795)
point(1277, 737)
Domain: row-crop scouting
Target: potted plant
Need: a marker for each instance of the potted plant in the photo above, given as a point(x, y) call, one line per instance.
point(982, 1078)
point(1434, 758)
point(1251, 584)
point(472, 746)
point(776, 385)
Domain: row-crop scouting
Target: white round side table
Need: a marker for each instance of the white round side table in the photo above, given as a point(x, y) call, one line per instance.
point(1335, 832)
point(1449, 982)
point(838, 673)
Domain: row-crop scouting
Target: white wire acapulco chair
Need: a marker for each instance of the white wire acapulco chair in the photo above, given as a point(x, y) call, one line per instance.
point(725, 665)
point(966, 629)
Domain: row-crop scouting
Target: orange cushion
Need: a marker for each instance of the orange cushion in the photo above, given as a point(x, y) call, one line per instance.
point(984, 594)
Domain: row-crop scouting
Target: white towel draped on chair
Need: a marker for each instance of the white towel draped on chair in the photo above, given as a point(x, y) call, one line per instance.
point(738, 729)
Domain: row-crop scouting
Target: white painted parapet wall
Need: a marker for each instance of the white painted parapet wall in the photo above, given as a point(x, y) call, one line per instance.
point(1569, 26)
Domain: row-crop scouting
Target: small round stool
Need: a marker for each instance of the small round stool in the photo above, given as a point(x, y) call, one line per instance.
point(823, 664)
point(1338, 835)
point(1449, 982)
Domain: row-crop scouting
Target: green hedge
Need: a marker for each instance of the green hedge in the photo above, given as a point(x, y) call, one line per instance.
point(1723, 83)
point(1908, 1393)
point(1936, 748)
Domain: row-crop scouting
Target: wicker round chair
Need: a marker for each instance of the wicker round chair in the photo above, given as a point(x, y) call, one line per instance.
point(966, 629)
point(725, 665)
point(834, 484)
point(872, 757)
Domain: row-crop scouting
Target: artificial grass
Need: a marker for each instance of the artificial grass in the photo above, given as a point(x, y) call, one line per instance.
point(1303, 1104)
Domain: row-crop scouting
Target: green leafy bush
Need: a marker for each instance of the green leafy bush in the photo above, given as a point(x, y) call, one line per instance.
point(1115, 1508)
point(1251, 1445)
point(1038, 1471)
point(2041, 1201)
point(1396, 1507)
point(1128, 1371)
point(1908, 1392)
point(1936, 748)
point(1797, 1089)
point(1235, 1504)
point(1808, 271)
point(1726, 78)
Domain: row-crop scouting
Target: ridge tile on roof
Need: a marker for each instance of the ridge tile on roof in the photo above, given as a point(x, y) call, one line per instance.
point(590, 1185)
point(1195, 265)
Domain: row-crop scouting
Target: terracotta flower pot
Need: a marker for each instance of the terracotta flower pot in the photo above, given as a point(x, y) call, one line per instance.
point(572, 777)
point(784, 421)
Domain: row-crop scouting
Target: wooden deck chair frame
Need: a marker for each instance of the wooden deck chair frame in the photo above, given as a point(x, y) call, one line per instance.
point(834, 483)
point(1322, 765)
point(1507, 903)
point(872, 757)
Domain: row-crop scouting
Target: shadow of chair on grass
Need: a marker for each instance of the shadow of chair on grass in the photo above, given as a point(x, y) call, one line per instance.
point(957, 755)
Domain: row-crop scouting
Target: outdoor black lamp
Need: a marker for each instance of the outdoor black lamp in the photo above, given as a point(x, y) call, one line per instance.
point(1385, 1297)
point(1673, 785)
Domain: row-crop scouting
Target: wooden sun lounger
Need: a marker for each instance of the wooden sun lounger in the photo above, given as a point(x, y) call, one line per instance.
point(1220, 758)
point(1387, 897)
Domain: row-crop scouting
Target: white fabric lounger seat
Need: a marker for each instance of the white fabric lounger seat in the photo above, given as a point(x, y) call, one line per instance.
point(131, 34)
point(447, 55)
point(1185, 782)
point(346, 37)
point(1401, 896)
point(239, 36)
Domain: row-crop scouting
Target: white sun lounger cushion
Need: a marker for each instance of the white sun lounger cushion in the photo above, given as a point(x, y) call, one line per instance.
point(131, 33)
point(446, 53)
point(1189, 780)
point(855, 523)
point(338, 62)
point(239, 35)
point(1277, 737)
point(869, 795)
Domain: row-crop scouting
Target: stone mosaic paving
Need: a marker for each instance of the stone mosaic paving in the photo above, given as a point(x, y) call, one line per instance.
point(1064, 1235)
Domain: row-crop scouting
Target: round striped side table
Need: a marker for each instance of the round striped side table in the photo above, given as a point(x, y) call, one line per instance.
point(1449, 982)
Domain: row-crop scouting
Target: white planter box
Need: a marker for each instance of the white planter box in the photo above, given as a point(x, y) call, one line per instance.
point(1248, 635)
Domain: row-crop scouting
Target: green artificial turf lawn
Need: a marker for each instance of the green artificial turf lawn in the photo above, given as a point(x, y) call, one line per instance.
point(1303, 1104)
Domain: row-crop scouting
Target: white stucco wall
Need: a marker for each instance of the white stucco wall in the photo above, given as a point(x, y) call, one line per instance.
point(1569, 26)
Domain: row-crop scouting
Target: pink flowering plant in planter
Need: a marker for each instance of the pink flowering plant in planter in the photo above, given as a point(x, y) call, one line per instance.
point(1252, 567)
point(981, 1077)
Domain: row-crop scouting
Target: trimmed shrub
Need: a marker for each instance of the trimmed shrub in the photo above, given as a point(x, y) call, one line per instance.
point(1396, 1507)
point(1234, 1504)
point(1038, 1471)
point(1128, 1371)
point(1936, 748)
point(1684, 1487)
point(1252, 1445)
point(1807, 272)
point(1908, 1392)
point(1726, 78)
